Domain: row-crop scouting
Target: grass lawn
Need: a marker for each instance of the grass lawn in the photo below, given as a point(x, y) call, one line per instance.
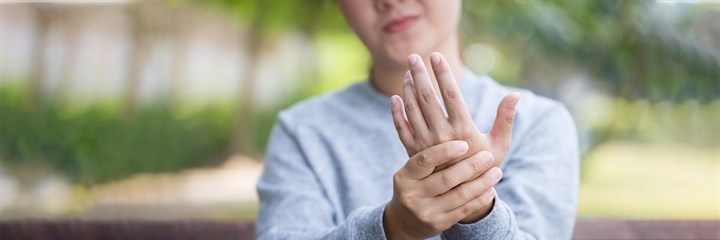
point(632, 180)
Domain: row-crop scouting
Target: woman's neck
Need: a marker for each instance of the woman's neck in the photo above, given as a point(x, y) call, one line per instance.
point(389, 80)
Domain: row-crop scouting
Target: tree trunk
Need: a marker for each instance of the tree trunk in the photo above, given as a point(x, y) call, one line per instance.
point(36, 95)
point(244, 117)
point(137, 56)
point(62, 92)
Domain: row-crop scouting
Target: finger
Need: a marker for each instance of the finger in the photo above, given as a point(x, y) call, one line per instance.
point(475, 204)
point(422, 164)
point(425, 92)
point(469, 190)
point(401, 124)
point(463, 171)
point(412, 109)
point(454, 103)
point(501, 132)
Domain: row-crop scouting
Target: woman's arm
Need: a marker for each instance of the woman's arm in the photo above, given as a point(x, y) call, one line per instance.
point(293, 204)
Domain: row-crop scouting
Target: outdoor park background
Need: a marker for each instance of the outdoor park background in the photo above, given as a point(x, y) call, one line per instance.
point(162, 109)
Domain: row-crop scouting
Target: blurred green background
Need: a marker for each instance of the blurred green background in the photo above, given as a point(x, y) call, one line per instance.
point(162, 109)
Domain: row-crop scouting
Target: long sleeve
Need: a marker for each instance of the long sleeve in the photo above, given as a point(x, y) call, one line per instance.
point(293, 203)
point(537, 196)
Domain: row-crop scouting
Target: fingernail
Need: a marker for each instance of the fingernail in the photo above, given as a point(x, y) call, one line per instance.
point(435, 58)
point(461, 146)
point(394, 100)
point(490, 195)
point(408, 76)
point(495, 173)
point(486, 158)
point(413, 59)
point(517, 97)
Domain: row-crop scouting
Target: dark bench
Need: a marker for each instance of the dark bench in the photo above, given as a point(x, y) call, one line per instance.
point(216, 229)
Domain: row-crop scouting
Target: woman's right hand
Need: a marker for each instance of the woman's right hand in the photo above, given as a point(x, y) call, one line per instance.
point(424, 203)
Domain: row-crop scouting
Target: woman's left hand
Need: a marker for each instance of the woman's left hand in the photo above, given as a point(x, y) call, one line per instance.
point(427, 125)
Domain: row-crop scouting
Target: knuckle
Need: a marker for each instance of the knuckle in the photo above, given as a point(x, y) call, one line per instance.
point(398, 127)
point(397, 177)
point(409, 106)
point(426, 95)
point(451, 93)
point(423, 159)
point(446, 179)
point(461, 192)
point(476, 164)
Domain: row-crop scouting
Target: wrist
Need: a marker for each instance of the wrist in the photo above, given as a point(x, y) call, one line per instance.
point(393, 225)
point(390, 223)
point(479, 214)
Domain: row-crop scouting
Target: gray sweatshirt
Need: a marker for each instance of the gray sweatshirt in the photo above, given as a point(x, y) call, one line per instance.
point(330, 161)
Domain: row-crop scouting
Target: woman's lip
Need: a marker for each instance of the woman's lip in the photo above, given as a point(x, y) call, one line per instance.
point(400, 24)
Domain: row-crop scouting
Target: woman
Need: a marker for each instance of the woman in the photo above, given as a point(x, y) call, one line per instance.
point(335, 168)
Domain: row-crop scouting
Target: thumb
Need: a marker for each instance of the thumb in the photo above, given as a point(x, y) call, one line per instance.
point(501, 132)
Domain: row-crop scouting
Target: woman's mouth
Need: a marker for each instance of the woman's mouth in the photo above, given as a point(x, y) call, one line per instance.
point(400, 24)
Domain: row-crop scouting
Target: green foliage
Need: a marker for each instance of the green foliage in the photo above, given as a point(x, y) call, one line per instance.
point(616, 41)
point(688, 122)
point(276, 16)
point(99, 144)
point(620, 42)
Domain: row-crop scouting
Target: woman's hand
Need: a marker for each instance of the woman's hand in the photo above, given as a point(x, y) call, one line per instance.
point(427, 125)
point(425, 203)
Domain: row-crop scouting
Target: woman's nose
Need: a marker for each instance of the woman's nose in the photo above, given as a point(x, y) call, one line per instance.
point(384, 5)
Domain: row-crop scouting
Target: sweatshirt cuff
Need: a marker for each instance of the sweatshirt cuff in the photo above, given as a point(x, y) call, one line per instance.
point(369, 224)
point(496, 225)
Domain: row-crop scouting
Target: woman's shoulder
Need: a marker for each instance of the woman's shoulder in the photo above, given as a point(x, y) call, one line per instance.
point(323, 109)
point(531, 110)
point(529, 100)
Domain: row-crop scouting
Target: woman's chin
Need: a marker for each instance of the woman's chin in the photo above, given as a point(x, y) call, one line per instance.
point(391, 62)
point(395, 59)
